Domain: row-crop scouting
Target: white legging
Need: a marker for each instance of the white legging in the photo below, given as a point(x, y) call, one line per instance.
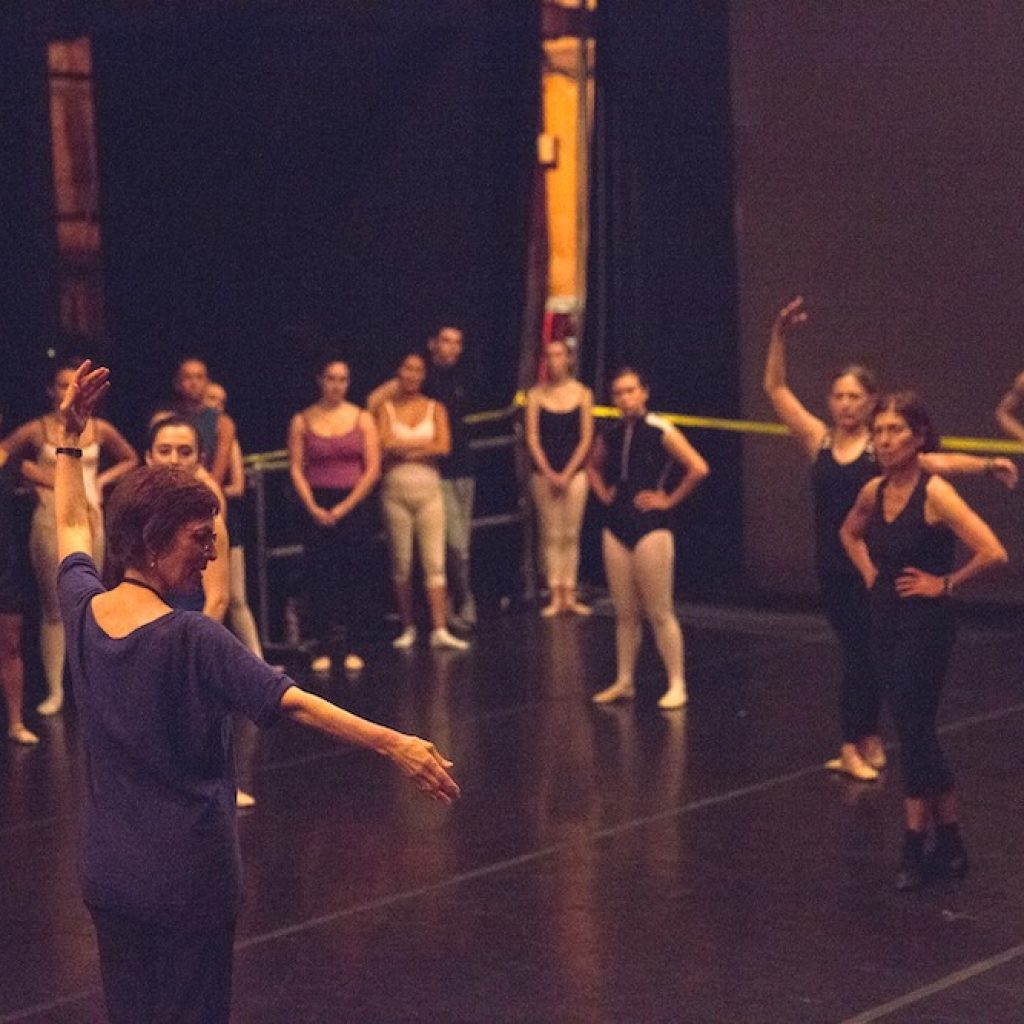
point(640, 581)
point(42, 546)
point(414, 507)
point(561, 516)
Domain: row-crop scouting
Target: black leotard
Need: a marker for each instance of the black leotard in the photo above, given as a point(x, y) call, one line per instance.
point(636, 460)
point(559, 436)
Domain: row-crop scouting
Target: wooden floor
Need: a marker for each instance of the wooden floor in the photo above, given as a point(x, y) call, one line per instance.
point(615, 864)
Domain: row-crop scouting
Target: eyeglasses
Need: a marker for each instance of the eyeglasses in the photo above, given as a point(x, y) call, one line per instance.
point(206, 539)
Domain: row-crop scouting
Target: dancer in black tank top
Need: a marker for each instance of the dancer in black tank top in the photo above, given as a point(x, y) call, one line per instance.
point(900, 535)
point(559, 432)
point(842, 461)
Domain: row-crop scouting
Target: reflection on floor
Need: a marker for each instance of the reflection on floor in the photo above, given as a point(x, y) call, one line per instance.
point(604, 864)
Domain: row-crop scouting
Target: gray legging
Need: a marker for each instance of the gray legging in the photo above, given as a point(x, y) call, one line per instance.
point(414, 508)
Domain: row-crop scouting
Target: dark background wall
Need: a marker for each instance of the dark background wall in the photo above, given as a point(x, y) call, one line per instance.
point(28, 241)
point(880, 149)
point(286, 180)
point(662, 272)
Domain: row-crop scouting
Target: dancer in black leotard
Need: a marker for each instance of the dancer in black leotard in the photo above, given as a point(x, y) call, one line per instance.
point(559, 433)
point(843, 460)
point(628, 473)
point(901, 534)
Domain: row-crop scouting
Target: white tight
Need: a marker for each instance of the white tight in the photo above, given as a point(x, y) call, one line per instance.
point(42, 546)
point(414, 507)
point(561, 515)
point(240, 617)
point(640, 581)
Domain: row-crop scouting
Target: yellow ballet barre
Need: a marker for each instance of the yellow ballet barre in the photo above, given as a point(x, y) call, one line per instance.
point(979, 445)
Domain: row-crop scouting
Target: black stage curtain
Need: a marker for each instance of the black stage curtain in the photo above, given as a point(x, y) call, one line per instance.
point(284, 181)
point(662, 284)
point(28, 238)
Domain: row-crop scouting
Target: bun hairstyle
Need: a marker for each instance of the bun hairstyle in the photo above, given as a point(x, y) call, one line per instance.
point(861, 374)
point(908, 404)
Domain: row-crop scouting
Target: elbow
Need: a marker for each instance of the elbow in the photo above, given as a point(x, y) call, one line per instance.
point(999, 556)
point(701, 471)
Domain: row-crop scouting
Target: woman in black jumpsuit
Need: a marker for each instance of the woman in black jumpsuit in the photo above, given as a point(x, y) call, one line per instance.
point(901, 535)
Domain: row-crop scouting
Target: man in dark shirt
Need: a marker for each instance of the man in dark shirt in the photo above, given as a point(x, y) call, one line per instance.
point(446, 382)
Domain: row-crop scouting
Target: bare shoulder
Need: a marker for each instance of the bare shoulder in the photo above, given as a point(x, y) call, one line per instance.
point(940, 493)
point(869, 492)
point(652, 419)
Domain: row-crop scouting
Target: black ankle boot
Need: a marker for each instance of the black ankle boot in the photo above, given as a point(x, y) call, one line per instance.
point(949, 858)
point(910, 874)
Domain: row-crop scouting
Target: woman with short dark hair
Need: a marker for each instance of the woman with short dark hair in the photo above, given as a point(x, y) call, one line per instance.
point(156, 687)
point(900, 535)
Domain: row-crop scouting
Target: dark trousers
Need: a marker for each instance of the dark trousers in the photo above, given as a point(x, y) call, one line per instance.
point(848, 608)
point(913, 639)
point(339, 572)
point(163, 975)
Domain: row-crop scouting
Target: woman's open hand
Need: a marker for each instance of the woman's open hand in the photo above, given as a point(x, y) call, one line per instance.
point(422, 762)
point(791, 315)
point(82, 396)
point(1005, 471)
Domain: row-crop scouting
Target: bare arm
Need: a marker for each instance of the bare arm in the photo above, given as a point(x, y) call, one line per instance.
point(28, 437)
point(854, 528)
point(296, 456)
point(959, 464)
point(71, 507)
point(946, 506)
point(595, 473)
point(234, 483)
point(125, 459)
point(533, 445)
point(1006, 410)
point(371, 472)
point(579, 456)
point(222, 456)
point(382, 393)
point(807, 428)
point(418, 760)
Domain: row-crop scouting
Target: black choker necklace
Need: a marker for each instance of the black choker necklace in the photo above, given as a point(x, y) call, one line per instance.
point(145, 586)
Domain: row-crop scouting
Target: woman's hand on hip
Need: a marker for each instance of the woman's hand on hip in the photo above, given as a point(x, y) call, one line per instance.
point(652, 501)
point(917, 583)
